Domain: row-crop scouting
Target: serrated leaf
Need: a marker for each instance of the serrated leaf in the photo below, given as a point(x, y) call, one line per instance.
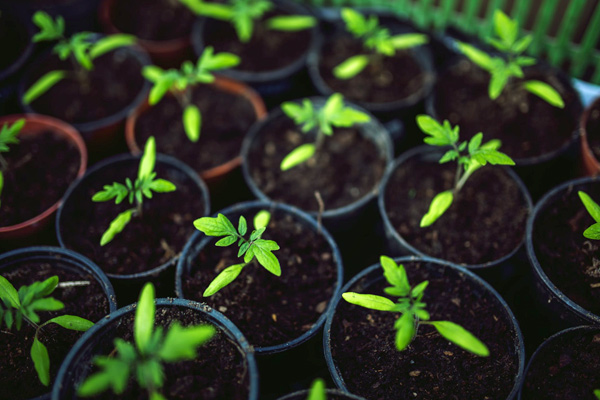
point(439, 135)
point(243, 248)
point(181, 343)
point(395, 275)
point(405, 330)
point(450, 155)
point(461, 337)
point(116, 226)
point(144, 318)
point(351, 67)
point(440, 203)
point(219, 226)
point(371, 301)
point(545, 92)
point(505, 27)
point(224, 278)
point(298, 156)
point(354, 21)
point(42, 85)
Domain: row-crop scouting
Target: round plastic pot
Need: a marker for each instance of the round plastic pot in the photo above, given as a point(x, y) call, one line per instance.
point(199, 241)
point(267, 83)
point(78, 363)
point(590, 163)
point(175, 165)
point(303, 394)
point(374, 274)
point(560, 310)
point(35, 125)
point(337, 219)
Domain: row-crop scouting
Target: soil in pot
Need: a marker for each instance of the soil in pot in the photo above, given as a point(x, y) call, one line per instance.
point(593, 129)
point(270, 310)
point(485, 222)
point(363, 345)
point(18, 377)
point(41, 163)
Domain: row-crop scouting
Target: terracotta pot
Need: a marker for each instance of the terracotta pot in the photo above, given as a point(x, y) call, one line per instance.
point(591, 165)
point(36, 124)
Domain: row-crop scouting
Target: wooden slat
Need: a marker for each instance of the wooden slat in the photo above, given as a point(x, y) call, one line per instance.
point(520, 11)
point(590, 39)
point(542, 23)
point(446, 13)
point(566, 31)
point(470, 16)
point(488, 26)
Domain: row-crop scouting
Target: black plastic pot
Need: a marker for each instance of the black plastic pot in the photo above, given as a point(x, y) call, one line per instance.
point(303, 394)
point(374, 274)
point(99, 339)
point(198, 241)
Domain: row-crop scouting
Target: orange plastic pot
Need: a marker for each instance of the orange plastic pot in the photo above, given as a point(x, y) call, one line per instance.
point(591, 165)
point(35, 125)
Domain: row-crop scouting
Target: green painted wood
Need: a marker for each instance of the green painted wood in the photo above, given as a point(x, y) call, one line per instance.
point(590, 39)
point(423, 14)
point(488, 27)
point(566, 31)
point(520, 11)
point(541, 26)
point(446, 13)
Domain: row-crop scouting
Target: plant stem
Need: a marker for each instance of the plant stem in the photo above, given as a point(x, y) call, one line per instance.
point(3, 163)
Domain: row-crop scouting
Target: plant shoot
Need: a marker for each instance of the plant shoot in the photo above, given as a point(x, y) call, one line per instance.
point(8, 135)
point(593, 232)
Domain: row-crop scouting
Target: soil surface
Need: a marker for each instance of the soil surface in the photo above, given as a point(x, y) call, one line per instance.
point(571, 261)
point(364, 350)
point(219, 371)
point(18, 377)
point(14, 40)
point(565, 370)
point(346, 168)
point(146, 242)
point(475, 229)
point(593, 130)
point(270, 310)
point(153, 19)
point(225, 120)
point(384, 80)
point(40, 163)
point(527, 125)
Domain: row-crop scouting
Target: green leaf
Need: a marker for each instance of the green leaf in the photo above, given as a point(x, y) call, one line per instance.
point(46, 304)
point(590, 205)
point(525, 61)
point(506, 28)
point(213, 10)
point(408, 40)
point(420, 288)
point(49, 29)
point(242, 226)
point(159, 89)
point(72, 322)
point(291, 23)
point(219, 226)
point(244, 27)
point(226, 276)
point(597, 393)
point(156, 396)
point(475, 142)
point(42, 85)
point(94, 384)
point(192, 120)
point(262, 251)
point(498, 81)
point(371, 301)
point(351, 67)
point(8, 293)
point(522, 44)
point(109, 192)
point(450, 155)
point(354, 20)
point(461, 337)
point(317, 390)
point(545, 92)
point(261, 219)
point(437, 208)
point(181, 343)
point(148, 159)
point(405, 330)
point(109, 43)
point(439, 135)
point(297, 156)
point(395, 275)
point(162, 186)
point(41, 361)
point(593, 232)
point(226, 241)
point(116, 226)
point(478, 57)
point(144, 318)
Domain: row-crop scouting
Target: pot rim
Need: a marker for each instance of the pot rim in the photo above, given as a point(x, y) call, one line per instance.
point(19, 62)
point(587, 154)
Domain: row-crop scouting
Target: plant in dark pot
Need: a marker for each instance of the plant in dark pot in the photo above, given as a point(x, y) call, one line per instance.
point(317, 391)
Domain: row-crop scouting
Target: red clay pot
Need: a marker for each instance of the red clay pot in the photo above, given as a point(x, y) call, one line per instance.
point(590, 164)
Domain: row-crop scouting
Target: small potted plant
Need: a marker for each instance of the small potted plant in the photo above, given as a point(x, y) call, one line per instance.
point(317, 391)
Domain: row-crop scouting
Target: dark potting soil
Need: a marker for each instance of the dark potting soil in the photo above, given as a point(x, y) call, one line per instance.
point(570, 260)
point(485, 222)
point(226, 119)
point(112, 86)
point(527, 125)
point(43, 163)
point(153, 19)
point(268, 49)
point(18, 377)
point(220, 370)
point(387, 80)
point(363, 345)
point(593, 130)
point(270, 310)
point(14, 40)
point(146, 242)
point(567, 369)
point(346, 168)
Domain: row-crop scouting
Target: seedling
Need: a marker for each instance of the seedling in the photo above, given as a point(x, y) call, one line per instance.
point(181, 82)
point(244, 14)
point(412, 309)
point(143, 360)
point(144, 185)
point(8, 135)
point(597, 393)
point(81, 49)
point(469, 157)
point(317, 390)
point(503, 70)
point(375, 39)
point(593, 232)
point(24, 304)
point(254, 248)
point(323, 119)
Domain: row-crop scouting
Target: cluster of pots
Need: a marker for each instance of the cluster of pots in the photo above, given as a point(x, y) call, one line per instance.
point(332, 219)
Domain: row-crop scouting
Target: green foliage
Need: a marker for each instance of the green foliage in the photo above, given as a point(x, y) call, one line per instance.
point(501, 69)
point(412, 309)
point(144, 359)
point(317, 390)
point(375, 39)
point(593, 232)
point(254, 247)
point(244, 14)
point(470, 155)
point(24, 305)
point(308, 117)
point(144, 185)
point(597, 393)
point(8, 135)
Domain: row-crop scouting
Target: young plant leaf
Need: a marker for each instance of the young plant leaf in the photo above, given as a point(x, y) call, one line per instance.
point(544, 91)
point(593, 232)
point(219, 226)
point(144, 318)
point(590, 205)
point(371, 301)
point(116, 226)
point(408, 40)
point(395, 275)
point(262, 251)
point(317, 390)
point(181, 343)
point(461, 337)
point(291, 23)
point(192, 120)
point(41, 361)
point(440, 203)
point(297, 156)
point(405, 330)
point(162, 186)
point(71, 322)
point(109, 43)
point(480, 58)
point(42, 85)
point(8, 293)
point(351, 67)
point(148, 159)
point(261, 219)
point(226, 276)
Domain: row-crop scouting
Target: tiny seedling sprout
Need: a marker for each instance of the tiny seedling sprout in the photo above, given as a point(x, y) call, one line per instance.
point(412, 309)
point(323, 119)
point(253, 248)
point(244, 14)
point(24, 304)
point(180, 83)
point(317, 390)
point(8, 135)
point(476, 156)
point(501, 69)
point(144, 185)
point(81, 49)
point(143, 360)
point(593, 232)
point(376, 39)
point(597, 393)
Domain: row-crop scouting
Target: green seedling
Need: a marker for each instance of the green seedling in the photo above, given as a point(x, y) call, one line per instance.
point(24, 304)
point(501, 69)
point(377, 40)
point(412, 309)
point(8, 135)
point(245, 14)
point(597, 393)
point(181, 82)
point(254, 248)
point(81, 49)
point(470, 156)
point(317, 390)
point(593, 232)
point(144, 185)
point(308, 118)
point(144, 359)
